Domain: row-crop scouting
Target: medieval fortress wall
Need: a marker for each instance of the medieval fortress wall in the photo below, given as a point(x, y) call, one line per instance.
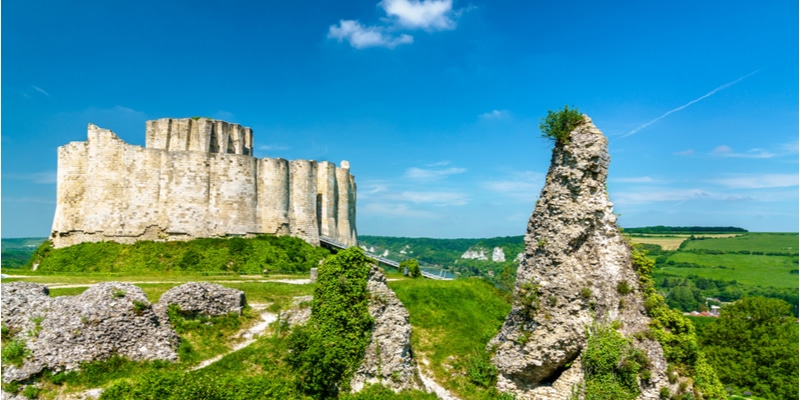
point(195, 178)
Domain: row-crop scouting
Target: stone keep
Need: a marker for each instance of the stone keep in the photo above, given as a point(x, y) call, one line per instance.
point(195, 178)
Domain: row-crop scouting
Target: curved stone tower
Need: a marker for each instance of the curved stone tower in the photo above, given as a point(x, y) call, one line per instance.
point(195, 178)
point(575, 260)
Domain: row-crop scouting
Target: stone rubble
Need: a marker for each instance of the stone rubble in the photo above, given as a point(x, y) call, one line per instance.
point(110, 318)
point(201, 298)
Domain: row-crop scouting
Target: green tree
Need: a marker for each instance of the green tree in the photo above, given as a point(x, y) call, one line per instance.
point(753, 346)
point(413, 268)
point(557, 125)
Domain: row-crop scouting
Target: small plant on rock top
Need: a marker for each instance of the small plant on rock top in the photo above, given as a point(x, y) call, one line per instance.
point(117, 293)
point(557, 125)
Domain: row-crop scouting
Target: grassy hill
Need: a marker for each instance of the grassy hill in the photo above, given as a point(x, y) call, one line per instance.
point(17, 251)
point(727, 268)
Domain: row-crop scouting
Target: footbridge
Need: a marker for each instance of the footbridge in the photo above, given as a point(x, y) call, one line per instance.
point(326, 241)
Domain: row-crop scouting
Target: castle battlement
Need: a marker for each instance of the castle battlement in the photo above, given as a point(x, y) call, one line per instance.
point(195, 178)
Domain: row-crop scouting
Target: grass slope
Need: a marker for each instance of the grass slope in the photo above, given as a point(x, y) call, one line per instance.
point(452, 323)
point(234, 255)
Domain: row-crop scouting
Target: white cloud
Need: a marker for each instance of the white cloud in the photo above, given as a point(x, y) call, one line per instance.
point(436, 198)
point(653, 196)
point(495, 115)
point(637, 179)
point(393, 210)
point(272, 147)
point(432, 174)
point(361, 37)
point(524, 186)
point(687, 152)
point(47, 177)
point(428, 15)
point(726, 151)
point(425, 14)
point(759, 181)
point(438, 164)
point(37, 200)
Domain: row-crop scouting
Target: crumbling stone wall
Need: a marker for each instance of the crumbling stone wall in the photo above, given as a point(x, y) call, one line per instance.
point(195, 178)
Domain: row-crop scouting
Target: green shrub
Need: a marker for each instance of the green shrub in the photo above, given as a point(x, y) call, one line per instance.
point(14, 353)
point(623, 287)
point(557, 125)
point(327, 350)
point(139, 307)
point(413, 268)
point(480, 369)
point(31, 392)
point(612, 366)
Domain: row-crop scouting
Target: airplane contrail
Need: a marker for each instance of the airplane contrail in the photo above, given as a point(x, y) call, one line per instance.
point(729, 84)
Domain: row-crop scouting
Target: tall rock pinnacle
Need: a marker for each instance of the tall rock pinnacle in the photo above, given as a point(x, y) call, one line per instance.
point(569, 280)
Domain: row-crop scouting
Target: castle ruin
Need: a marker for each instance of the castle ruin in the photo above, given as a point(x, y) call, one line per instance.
point(195, 178)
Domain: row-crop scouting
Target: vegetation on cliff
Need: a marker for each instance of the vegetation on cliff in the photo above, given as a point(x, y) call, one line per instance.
point(676, 335)
point(557, 125)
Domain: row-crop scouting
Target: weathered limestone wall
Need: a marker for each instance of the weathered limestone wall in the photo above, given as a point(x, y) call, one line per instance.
point(183, 186)
point(346, 213)
point(273, 192)
point(303, 200)
point(202, 134)
point(326, 204)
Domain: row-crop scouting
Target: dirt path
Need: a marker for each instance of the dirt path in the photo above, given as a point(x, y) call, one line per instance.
point(249, 335)
point(431, 386)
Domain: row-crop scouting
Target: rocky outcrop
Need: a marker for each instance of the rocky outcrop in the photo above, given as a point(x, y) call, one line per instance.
point(110, 318)
point(201, 298)
point(388, 358)
point(498, 255)
point(60, 333)
point(576, 272)
point(475, 254)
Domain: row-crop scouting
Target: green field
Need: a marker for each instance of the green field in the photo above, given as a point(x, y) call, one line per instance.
point(763, 242)
point(747, 269)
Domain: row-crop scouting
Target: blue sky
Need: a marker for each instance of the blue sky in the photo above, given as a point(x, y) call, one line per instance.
point(435, 104)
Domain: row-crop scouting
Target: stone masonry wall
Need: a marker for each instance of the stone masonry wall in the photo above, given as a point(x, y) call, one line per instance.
point(195, 178)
